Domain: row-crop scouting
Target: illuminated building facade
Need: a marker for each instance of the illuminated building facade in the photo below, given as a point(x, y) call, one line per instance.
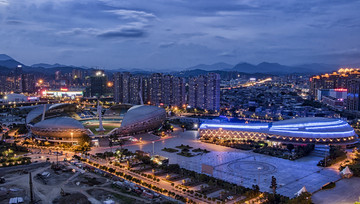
point(335, 80)
point(63, 93)
point(313, 130)
point(353, 103)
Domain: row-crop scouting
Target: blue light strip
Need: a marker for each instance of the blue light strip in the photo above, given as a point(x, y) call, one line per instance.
point(233, 126)
point(310, 124)
point(327, 127)
point(352, 132)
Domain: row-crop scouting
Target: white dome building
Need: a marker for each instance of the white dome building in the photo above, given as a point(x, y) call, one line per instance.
point(141, 118)
point(60, 129)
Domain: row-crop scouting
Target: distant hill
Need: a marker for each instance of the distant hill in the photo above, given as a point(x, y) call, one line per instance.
point(8, 62)
point(4, 57)
point(273, 68)
point(44, 65)
point(211, 67)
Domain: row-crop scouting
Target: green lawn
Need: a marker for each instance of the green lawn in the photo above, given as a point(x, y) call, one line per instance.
point(108, 128)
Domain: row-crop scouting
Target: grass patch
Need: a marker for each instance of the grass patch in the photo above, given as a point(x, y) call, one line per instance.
point(185, 154)
point(201, 150)
point(171, 150)
point(108, 128)
point(184, 147)
point(328, 186)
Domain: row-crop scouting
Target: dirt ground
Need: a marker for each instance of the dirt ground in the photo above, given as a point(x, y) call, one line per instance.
point(103, 195)
point(75, 198)
point(87, 180)
point(79, 188)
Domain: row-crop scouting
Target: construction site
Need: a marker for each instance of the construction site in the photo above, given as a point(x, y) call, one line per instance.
point(63, 183)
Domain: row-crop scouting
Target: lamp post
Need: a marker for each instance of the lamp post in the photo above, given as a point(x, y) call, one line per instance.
point(72, 138)
point(259, 169)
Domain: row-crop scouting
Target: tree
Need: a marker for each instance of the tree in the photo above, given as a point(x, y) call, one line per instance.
point(290, 147)
point(303, 198)
point(273, 184)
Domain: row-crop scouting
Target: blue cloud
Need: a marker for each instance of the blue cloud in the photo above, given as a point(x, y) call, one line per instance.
point(138, 33)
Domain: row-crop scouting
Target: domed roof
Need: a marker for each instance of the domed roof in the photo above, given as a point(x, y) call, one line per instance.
point(60, 122)
point(309, 127)
point(312, 127)
point(140, 113)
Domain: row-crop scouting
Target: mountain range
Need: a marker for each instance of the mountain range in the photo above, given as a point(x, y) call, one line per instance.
point(7, 63)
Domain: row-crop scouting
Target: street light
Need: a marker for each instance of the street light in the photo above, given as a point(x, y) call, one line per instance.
point(259, 169)
point(72, 136)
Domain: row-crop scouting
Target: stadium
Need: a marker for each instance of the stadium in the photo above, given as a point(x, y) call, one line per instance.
point(64, 123)
point(310, 130)
point(60, 130)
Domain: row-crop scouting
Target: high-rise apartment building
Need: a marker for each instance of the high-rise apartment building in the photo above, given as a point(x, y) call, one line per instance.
point(157, 89)
point(28, 83)
point(353, 88)
point(122, 86)
point(212, 99)
point(135, 89)
point(204, 91)
point(18, 79)
point(178, 91)
point(98, 84)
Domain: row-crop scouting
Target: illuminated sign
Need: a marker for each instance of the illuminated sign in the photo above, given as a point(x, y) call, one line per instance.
point(33, 98)
point(63, 92)
point(341, 90)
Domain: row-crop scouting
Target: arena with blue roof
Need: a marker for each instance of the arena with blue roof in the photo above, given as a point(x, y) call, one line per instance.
point(309, 130)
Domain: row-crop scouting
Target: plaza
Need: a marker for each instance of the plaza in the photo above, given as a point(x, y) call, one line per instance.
point(241, 167)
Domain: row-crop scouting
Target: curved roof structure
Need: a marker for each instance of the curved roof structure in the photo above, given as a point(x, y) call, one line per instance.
point(60, 123)
point(141, 112)
point(36, 112)
point(51, 110)
point(311, 127)
point(62, 105)
point(119, 109)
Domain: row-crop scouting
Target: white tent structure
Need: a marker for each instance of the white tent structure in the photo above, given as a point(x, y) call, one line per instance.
point(302, 190)
point(346, 173)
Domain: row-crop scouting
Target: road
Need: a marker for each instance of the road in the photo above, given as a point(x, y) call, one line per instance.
point(162, 184)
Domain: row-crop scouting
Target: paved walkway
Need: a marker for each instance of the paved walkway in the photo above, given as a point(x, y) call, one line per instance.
point(291, 175)
point(346, 191)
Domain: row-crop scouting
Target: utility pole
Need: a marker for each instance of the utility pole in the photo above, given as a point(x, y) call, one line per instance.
point(31, 188)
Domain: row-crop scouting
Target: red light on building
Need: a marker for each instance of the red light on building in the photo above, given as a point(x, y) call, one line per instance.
point(341, 90)
point(64, 89)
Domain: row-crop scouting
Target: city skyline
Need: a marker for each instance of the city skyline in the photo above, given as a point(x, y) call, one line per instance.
point(113, 34)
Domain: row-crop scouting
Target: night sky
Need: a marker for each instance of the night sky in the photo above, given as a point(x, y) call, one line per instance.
point(172, 34)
